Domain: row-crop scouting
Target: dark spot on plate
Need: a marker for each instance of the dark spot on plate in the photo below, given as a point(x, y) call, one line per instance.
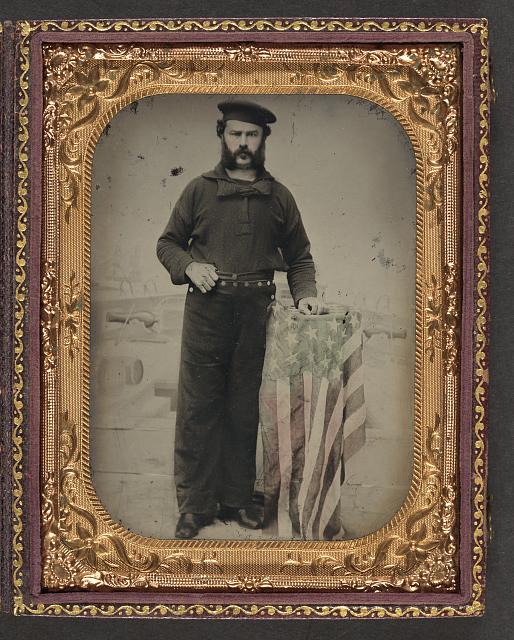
point(176, 171)
point(385, 261)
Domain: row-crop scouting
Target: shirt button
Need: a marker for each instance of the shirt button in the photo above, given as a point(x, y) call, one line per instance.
point(234, 284)
point(259, 284)
point(272, 297)
point(247, 284)
point(222, 283)
point(268, 283)
point(191, 289)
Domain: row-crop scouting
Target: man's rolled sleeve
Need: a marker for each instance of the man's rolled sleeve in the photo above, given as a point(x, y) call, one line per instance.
point(296, 249)
point(174, 241)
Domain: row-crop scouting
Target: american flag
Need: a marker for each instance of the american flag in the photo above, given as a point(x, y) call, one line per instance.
point(312, 415)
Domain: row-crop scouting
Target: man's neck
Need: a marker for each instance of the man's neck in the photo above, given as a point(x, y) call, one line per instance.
point(242, 174)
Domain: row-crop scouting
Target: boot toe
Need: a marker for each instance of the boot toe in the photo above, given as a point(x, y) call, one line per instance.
point(189, 525)
point(249, 519)
point(246, 517)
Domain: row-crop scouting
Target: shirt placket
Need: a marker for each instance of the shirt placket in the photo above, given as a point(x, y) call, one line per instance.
point(244, 222)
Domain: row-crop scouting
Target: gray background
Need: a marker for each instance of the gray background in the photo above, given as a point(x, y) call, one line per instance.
point(498, 620)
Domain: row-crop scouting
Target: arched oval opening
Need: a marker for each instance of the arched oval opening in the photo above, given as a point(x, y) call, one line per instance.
point(352, 171)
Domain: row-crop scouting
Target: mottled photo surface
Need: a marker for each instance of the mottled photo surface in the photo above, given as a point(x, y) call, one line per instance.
point(333, 449)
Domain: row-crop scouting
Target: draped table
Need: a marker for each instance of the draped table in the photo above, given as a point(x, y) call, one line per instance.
point(312, 414)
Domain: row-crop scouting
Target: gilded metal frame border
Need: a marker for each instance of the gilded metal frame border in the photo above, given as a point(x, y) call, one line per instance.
point(439, 292)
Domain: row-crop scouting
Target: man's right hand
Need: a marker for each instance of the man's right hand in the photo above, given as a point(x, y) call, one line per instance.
point(203, 276)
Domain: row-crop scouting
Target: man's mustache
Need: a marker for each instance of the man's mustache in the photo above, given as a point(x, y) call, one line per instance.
point(229, 158)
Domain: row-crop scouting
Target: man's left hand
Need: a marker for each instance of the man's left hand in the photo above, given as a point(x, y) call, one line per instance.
point(311, 306)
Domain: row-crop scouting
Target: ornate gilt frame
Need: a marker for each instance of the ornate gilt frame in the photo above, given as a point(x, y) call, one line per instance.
point(428, 561)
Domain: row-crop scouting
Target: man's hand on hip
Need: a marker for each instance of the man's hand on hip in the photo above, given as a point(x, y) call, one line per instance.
point(203, 276)
point(311, 306)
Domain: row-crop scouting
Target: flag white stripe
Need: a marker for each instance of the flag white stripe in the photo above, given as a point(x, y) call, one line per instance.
point(353, 422)
point(332, 499)
point(307, 406)
point(333, 495)
point(355, 381)
point(333, 428)
point(284, 456)
point(335, 423)
point(349, 347)
point(312, 448)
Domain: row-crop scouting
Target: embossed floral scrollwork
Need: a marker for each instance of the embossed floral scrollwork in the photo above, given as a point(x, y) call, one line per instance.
point(417, 545)
point(61, 62)
point(247, 52)
point(438, 569)
point(49, 315)
point(434, 320)
point(441, 324)
point(49, 517)
point(350, 564)
point(87, 88)
point(70, 314)
point(123, 51)
point(319, 565)
point(451, 316)
point(61, 570)
point(433, 459)
point(49, 124)
point(250, 583)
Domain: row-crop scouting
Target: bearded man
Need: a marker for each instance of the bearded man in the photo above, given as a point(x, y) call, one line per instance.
point(230, 230)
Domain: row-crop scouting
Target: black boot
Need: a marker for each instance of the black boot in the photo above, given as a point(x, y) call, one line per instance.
point(249, 517)
point(189, 524)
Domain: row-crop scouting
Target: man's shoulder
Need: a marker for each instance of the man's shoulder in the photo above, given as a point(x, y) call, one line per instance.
point(281, 191)
point(196, 182)
point(196, 185)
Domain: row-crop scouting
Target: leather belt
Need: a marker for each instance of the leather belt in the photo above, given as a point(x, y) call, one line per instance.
point(251, 278)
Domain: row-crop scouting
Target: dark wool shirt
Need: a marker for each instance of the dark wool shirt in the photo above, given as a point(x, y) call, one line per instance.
point(239, 227)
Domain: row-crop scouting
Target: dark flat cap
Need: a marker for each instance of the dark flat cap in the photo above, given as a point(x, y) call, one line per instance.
point(246, 111)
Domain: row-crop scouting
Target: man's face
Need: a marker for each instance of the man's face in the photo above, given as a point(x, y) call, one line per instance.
point(243, 145)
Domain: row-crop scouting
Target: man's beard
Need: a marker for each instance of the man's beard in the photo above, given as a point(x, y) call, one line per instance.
point(229, 159)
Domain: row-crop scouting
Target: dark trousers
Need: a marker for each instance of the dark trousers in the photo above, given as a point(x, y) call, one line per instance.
point(223, 344)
